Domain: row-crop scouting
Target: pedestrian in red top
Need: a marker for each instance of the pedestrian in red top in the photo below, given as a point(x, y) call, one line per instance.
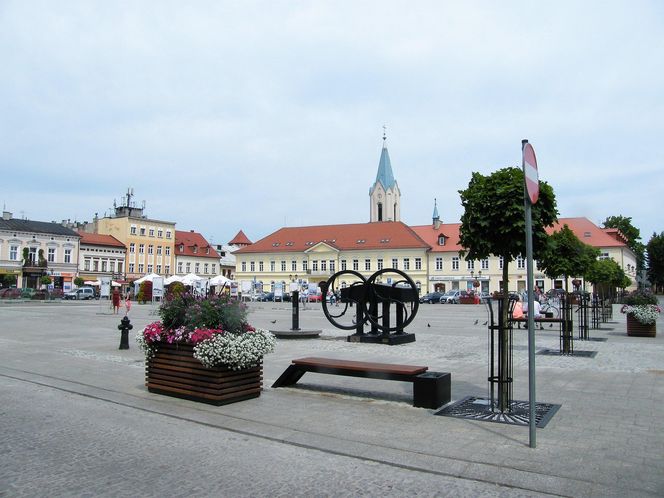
point(116, 300)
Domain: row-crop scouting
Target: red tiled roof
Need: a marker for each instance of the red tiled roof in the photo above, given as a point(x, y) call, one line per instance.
point(97, 239)
point(240, 239)
point(379, 235)
point(190, 240)
point(583, 228)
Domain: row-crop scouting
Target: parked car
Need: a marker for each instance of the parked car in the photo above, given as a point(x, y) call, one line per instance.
point(450, 297)
point(431, 297)
point(314, 298)
point(82, 293)
point(11, 293)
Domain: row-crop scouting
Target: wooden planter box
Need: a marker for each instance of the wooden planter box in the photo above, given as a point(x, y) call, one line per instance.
point(637, 329)
point(174, 371)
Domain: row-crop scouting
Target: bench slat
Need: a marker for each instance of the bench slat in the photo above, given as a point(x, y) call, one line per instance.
point(361, 366)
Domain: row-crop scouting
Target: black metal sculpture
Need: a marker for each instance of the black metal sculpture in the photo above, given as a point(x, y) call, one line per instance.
point(388, 308)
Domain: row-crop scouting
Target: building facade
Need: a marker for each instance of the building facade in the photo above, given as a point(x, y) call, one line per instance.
point(429, 254)
point(30, 250)
point(101, 256)
point(150, 243)
point(193, 254)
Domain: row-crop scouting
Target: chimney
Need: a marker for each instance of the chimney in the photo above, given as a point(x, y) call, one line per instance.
point(6, 215)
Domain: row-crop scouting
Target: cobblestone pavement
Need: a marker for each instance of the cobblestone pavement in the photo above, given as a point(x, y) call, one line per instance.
point(77, 420)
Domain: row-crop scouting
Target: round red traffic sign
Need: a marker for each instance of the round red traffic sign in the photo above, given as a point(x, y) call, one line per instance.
point(530, 171)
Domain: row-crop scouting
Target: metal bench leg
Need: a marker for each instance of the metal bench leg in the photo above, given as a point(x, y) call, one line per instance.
point(290, 376)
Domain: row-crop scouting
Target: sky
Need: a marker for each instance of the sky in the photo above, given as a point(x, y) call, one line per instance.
point(257, 115)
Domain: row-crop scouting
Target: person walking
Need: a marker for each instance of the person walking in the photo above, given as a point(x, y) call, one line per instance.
point(115, 298)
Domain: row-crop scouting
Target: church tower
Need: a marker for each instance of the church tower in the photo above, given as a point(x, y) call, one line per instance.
point(384, 195)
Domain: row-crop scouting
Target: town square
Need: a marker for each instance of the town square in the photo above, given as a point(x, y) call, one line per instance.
point(331, 249)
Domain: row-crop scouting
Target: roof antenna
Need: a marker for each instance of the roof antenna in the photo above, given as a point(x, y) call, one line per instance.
point(384, 134)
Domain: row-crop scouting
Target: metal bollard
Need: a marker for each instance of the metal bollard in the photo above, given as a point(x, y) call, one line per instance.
point(125, 326)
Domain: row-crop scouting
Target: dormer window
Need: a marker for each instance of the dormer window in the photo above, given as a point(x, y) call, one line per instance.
point(441, 240)
point(195, 249)
point(586, 234)
point(181, 247)
point(207, 250)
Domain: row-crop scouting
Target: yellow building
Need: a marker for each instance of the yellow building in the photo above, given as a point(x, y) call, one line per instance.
point(429, 254)
point(150, 243)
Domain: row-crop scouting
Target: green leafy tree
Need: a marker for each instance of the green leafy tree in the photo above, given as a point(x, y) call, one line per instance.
point(566, 256)
point(78, 281)
point(493, 223)
point(656, 261)
point(46, 280)
point(606, 275)
point(633, 234)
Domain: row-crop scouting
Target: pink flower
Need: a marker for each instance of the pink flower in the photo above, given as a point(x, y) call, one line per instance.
point(200, 335)
point(152, 332)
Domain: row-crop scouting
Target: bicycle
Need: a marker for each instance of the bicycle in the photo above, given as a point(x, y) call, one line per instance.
point(547, 307)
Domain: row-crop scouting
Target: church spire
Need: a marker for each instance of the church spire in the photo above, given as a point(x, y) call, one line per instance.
point(436, 218)
point(384, 195)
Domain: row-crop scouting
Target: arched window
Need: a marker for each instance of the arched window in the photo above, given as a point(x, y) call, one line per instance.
point(441, 240)
point(380, 211)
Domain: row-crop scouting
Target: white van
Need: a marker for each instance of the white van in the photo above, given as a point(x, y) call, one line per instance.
point(81, 293)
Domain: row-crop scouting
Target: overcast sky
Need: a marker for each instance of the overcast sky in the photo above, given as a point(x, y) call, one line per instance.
point(257, 115)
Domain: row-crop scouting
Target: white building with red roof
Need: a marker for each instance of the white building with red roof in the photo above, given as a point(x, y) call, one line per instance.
point(429, 254)
point(101, 256)
point(194, 254)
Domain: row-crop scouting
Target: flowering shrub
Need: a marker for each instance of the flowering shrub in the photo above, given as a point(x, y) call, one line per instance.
point(640, 297)
point(645, 314)
point(215, 327)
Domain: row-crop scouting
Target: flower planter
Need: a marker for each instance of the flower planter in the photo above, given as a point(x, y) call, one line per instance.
point(173, 371)
point(637, 329)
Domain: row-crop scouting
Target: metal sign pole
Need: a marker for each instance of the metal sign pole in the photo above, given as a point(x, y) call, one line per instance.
point(532, 399)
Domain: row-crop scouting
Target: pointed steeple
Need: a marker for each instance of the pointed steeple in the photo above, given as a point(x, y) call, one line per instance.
point(436, 218)
point(384, 195)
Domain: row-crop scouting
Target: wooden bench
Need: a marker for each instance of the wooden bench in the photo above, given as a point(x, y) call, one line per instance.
point(430, 389)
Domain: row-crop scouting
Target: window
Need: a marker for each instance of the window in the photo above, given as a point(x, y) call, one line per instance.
point(293, 265)
point(604, 255)
point(439, 263)
point(332, 265)
point(260, 266)
point(167, 250)
point(159, 269)
point(214, 269)
point(132, 230)
point(151, 232)
point(356, 265)
point(67, 255)
point(142, 231)
point(95, 265)
point(158, 250)
point(367, 265)
point(455, 263)
point(179, 266)
point(323, 265)
point(406, 263)
point(470, 264)
point(520, 262)
point(197, 268)
point(86, 265)
point(140, 268)
point(252, 266)
point(160, 233)
point(119, 266)
point(206, 267)
point(244, 266)
point(272, 266)
point(103, 265)
point(485, 264)
point(395, 263)
point(188, 267)
point(131, 267)
point(149, 269)
point(379, 264)
point(150, 249)
point(51, 254)
point(314, 265)
point(418, 263)
point(441, 240)
point(132, 248)
point(195, 249)
point(13, 253)
point(343, 265)
point(168, 234)
point(305, 265)
point(167, 269)
point(283, 266)
point(141, 248)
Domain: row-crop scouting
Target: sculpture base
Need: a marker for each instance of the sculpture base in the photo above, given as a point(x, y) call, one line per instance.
point(390, 340)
